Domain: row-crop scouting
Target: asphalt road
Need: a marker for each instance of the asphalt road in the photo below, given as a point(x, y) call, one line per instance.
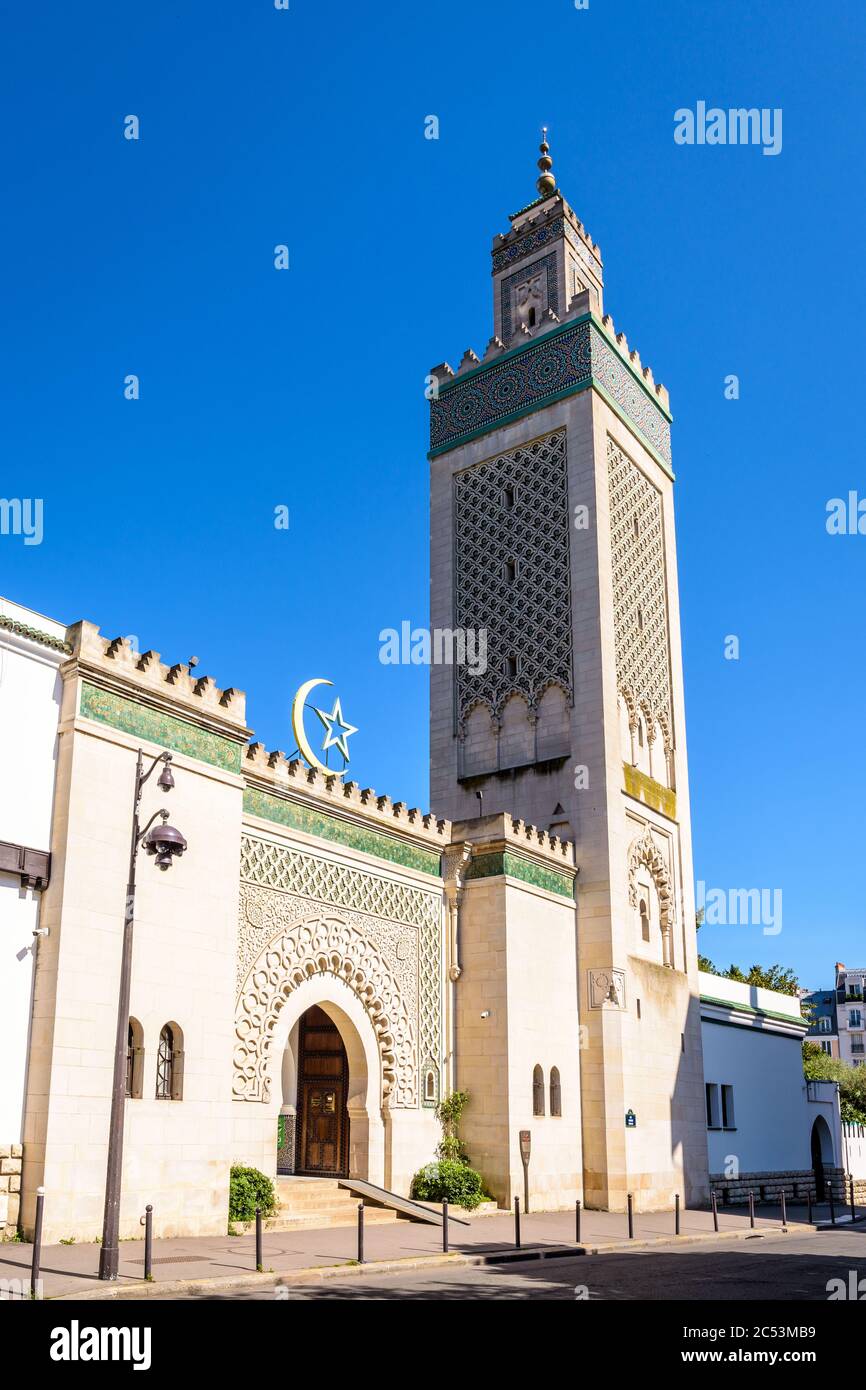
point(794, 1267)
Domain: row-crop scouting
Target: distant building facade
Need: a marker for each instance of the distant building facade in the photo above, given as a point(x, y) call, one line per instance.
point(850, 1014)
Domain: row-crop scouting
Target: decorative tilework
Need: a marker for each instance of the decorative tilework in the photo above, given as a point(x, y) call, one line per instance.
point(543, 236)
point(560, 363)
point(546, 266)
point(156, 727)
point(649, 791)
point(505, 862)
point(610, 372)
point(531, 613)
point(315, 822)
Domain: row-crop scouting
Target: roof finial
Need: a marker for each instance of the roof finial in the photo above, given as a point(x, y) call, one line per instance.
point(547, 183)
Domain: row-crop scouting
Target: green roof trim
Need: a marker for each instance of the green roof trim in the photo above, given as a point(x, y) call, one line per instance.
point(282, 811)
point(35, 634)
point(155, 726)
point(749, 1009)
point(499, 862)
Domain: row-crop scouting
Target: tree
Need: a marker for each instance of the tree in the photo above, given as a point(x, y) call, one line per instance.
point(778, 977)
point(705, 964)
point(819, 1066)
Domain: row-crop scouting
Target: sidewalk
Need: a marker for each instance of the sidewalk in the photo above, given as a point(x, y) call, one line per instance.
point(71, 1270)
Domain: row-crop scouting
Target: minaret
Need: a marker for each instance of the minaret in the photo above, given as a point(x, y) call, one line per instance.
point(552, 532)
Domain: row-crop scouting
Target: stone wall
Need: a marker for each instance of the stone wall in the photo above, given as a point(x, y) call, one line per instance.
point(769, 1186)
point(11, 1156)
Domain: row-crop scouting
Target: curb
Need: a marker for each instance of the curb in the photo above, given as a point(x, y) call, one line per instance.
point(455, 1260)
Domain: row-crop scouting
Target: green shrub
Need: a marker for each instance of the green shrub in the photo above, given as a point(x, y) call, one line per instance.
point(447, 1181)
point(248, 1189)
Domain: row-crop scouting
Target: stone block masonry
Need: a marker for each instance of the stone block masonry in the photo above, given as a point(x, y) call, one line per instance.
point(11, 1157)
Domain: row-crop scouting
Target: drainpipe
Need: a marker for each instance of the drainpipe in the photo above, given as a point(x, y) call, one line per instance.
point(453, 873)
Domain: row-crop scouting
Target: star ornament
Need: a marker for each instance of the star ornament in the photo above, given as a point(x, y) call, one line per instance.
point(338, 731)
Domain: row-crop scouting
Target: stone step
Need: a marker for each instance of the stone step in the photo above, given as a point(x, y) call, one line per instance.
point(321, 1202)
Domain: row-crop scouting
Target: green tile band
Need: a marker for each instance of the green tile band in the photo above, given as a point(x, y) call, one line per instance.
point(314, 822)
point(165, 729)
point(504, 862)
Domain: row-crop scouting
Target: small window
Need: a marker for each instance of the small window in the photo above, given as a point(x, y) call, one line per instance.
point(640, 619)
point(509, 570)
point(430, 1085)
point(508, 498)
point(134, 1059)
point(713, 1107)
point(644, 921)
point(511, 667)
point(640, 732)
point(636, 525)
point(538, 1091)
point(728, 1107)
point(555, 1092)
point(638, 1007)
point(169, 1064)
point(530, 318)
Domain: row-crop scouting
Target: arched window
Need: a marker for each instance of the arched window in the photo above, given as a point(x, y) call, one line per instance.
point(555, 1092)
point(430, 1085)
point(644, 920)
point(538, 1091)
point(169, 1064)
point(134, 1059)
point(640, 732)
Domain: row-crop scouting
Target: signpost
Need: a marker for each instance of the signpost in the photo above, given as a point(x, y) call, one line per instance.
point(525, 1150)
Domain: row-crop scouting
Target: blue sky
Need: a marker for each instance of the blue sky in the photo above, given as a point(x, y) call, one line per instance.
point(305, 388)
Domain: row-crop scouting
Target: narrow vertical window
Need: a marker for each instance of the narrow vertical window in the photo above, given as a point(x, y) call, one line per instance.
point(538, 1091)
point(555, 1092)
point(644, 920)
point(169, 1064)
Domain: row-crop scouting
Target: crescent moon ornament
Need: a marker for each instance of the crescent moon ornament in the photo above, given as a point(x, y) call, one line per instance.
point(337, 730)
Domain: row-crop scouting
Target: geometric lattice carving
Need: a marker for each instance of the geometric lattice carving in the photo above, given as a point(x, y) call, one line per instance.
point(402, 923)
point(639, 593)
point(543, 270)
point(300, 952)
point(513, 511)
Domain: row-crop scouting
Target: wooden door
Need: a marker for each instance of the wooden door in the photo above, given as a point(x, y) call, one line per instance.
point(323, 1111)
point(322, 1090)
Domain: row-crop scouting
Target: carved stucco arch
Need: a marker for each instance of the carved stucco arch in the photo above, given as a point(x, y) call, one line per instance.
point(297, 953)
point(644, 851)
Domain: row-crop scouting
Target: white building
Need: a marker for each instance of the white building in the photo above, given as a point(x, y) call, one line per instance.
point(850, 1013)
point(31, 650)
point(767, 1127)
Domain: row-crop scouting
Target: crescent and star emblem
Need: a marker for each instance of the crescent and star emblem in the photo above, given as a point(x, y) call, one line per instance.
point(337, 729)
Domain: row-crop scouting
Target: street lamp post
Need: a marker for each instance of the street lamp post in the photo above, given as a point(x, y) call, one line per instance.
point(164, 842)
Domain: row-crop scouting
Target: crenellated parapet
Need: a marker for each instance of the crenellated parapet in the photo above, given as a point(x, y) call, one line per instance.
point(557, 359)
point(119, 663)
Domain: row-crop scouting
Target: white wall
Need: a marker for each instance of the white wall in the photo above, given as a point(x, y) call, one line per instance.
point(772, 1120)
point(29, 707)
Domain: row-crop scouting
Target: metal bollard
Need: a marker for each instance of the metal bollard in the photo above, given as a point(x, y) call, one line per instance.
point(832, 1206)
point(517, 1222)
point(853, 1203)
point(260, 1264)
point(360, 1233)
point(751, 1209)
point(445, 1228)
point(676, 1213)
point(148, 1242)
point(809, 1200)
point(37, 1242)
point(630, 1217)
point(715, 1212)
point(784, 1213)
point(577, 1221)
